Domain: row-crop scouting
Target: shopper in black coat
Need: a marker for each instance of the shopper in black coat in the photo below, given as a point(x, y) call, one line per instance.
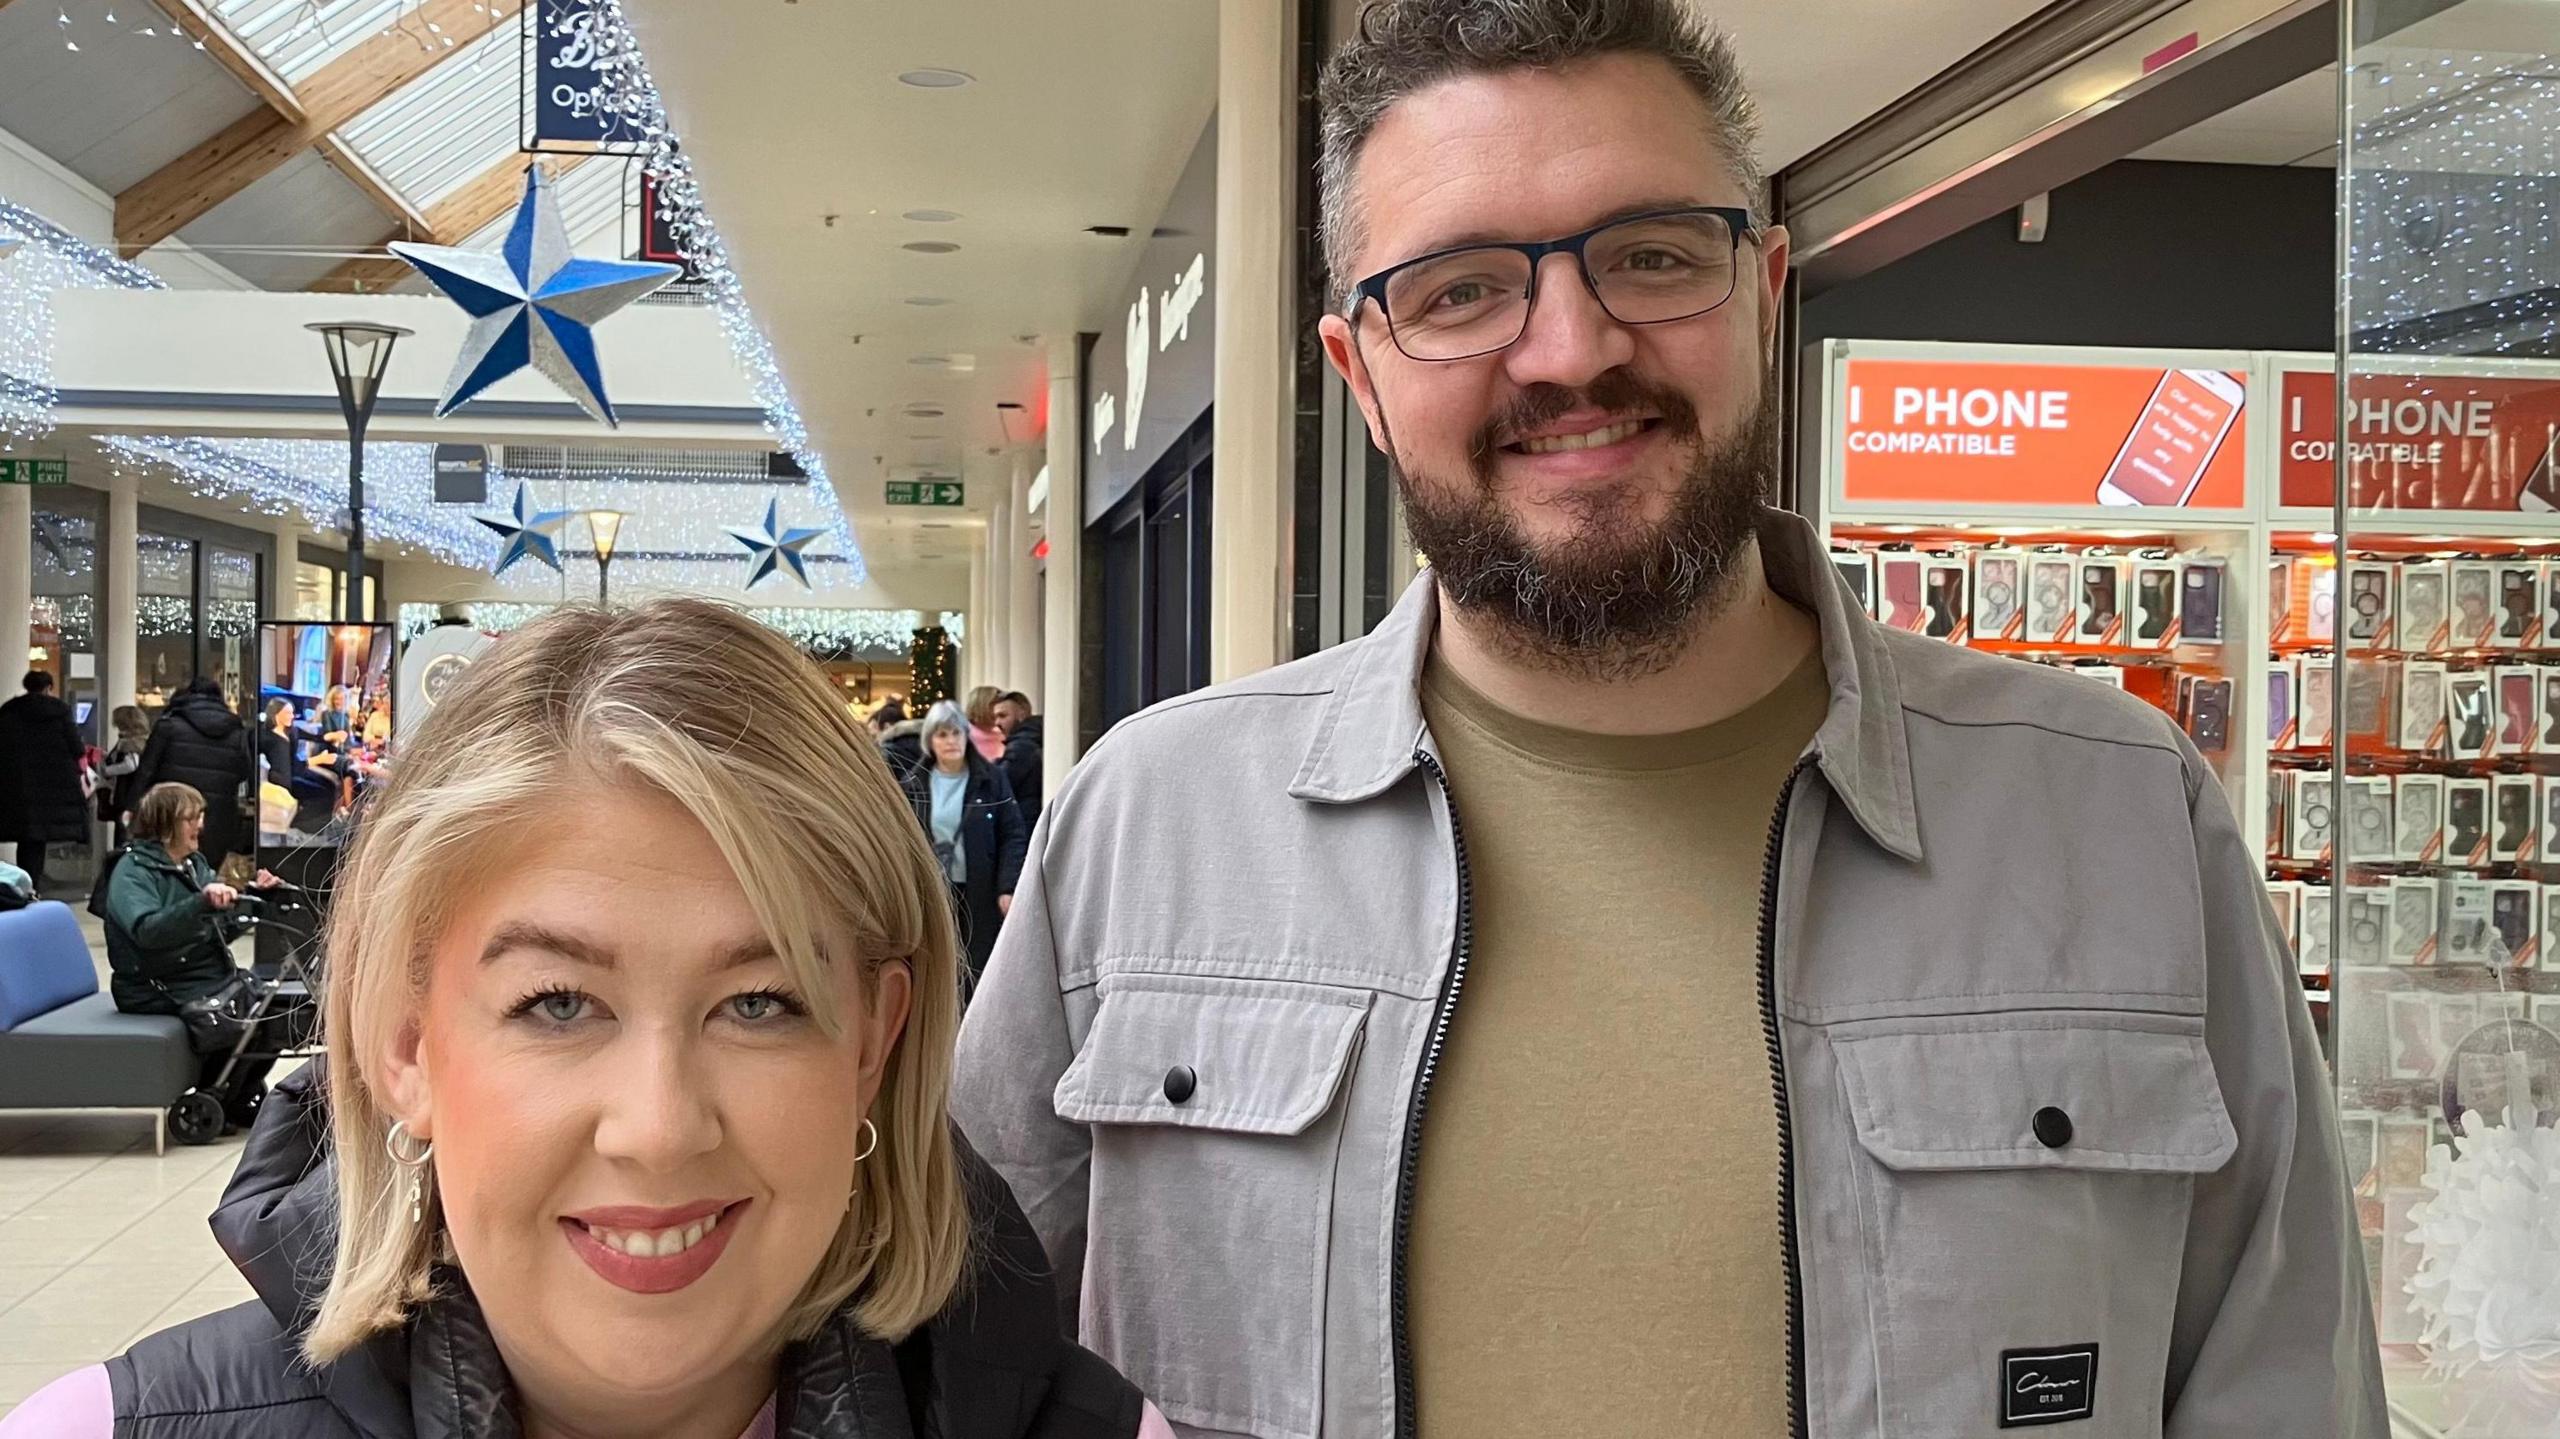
point(992, 832)
point(40, 798)
point(200, 743)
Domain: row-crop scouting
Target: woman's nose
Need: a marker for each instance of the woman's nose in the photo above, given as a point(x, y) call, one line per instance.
point(657, 1109)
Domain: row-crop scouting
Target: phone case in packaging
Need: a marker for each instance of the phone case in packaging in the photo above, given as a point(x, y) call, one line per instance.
point(2421, 728)
point(2370, 619)
point(2209, 714)
point(2426, 614)
point(2319, 602)
point(2313, 950)
point(2368, 711)
point(2052, 614)
point(2284, 896)
point(2551, 602)
point(2546, 841)
point(2462, 934)
point(1901, 595)
point(2519, 625)
point(2317, 697)
point(2100, 600)
point(2516, 690)
point(2155, 605)
point(2200, 585)
point(1858, 571)
point(2413, 921)
point(2417, 802)
point(1942, 579)
point(2466, 822)
point(2284, 677)
point(2112, 676)
point(2470, 714)
point(2369, 837)
point(2475, 603)
point(2368, 925)
point(2514, 828)
point(2312, 810)
point(2548, 741)
point(2546, 955)
point(2283, 615)
point(2515, 923)
point(1999, 595)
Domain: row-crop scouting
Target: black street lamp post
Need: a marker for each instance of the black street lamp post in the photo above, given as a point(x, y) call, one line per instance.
point(359, 353)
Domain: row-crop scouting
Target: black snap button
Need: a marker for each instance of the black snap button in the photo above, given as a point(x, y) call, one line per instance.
point(2053, 1127)
point(1179, 1082)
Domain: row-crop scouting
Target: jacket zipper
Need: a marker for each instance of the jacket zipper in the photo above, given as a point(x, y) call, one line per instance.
point(1408, 1425)
point(1778, 1088)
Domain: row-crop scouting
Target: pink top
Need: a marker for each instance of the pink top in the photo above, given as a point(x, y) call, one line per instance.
point(80, 1405)
point(990, 744)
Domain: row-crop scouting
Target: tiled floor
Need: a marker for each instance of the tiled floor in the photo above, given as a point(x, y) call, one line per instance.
point(101, 1241)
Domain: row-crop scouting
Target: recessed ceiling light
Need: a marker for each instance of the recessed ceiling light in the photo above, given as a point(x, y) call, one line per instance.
point(930, 362)
point(924, 412)
point(933, 79)
point(933, 217)
point(926, 302)
point(929, 247)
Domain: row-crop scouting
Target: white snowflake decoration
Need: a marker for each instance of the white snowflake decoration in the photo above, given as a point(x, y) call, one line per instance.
point(2488, 1280)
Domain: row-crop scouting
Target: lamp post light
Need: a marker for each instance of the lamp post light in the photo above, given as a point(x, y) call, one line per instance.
point(359, 353)
point(605, 526)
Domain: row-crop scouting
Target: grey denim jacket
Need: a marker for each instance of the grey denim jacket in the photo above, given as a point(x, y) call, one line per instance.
point(1202, 1056)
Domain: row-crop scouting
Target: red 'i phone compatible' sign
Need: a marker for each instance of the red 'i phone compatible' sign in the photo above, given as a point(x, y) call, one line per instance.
point(2424, 442)
point(1918, 432)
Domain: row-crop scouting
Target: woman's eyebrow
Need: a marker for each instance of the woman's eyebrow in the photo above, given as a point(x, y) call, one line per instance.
point(528, 935)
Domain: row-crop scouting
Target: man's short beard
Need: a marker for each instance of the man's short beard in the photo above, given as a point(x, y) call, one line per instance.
point(1617, 598)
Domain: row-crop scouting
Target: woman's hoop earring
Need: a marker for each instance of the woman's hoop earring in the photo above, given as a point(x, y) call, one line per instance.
point(870, 1141)
point(415, 1163)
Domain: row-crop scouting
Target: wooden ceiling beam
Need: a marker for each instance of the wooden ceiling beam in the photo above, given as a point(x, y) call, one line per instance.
point(343, 156)
point(259, 144)
point(449, 221)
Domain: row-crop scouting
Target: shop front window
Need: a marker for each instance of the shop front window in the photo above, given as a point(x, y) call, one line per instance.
point(2446, 404)
point(230, 619)
point(165, 627)
point(63, 621)
point(312, 587)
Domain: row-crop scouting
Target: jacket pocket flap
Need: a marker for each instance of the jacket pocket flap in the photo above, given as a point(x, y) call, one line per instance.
point(2133, 1092)
point(1252, 1056)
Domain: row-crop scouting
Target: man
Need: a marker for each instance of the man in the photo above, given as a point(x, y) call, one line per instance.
point(1631, 992)
point(200, 743)
point(40, 798)
point(1021, 731)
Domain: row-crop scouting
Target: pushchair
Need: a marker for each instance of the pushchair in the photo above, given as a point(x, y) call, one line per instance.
point(277, 1011)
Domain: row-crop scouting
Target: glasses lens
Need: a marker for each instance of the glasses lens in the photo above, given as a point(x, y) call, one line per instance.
point(1648, 271)
point(1460, 304)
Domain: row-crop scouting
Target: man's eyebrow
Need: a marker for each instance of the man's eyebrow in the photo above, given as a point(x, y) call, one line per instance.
point(1652, 206)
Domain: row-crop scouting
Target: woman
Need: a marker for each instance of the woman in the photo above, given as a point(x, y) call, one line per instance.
point(169, 929)
point(639, 1032)
point(124, 757)
point(42, 800)
point(966, 806)
point(983, 731)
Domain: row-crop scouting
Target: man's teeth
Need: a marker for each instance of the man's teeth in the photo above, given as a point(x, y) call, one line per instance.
point(655, 1243)
point(1588, 439)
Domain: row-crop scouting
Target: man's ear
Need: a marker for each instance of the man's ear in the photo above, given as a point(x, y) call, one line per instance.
point(1342, 350)
point(1774, 252)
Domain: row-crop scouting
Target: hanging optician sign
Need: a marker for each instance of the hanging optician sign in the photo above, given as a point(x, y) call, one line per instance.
point(561, 96)
point(1955, 432)
point(2423, 442)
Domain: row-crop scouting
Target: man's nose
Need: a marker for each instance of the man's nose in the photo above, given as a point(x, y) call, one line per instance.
point(1570, 339)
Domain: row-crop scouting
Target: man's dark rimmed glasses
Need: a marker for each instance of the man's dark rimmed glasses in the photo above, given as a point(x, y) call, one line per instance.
point(1646, 269)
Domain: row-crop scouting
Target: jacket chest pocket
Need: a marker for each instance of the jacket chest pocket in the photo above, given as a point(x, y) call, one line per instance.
point(1216, 1123)
point(2024, 1182)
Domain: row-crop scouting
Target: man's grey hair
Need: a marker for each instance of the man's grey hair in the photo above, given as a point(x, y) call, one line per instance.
point(1408, 45)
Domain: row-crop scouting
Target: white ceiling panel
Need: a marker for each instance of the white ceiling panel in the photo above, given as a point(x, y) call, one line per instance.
point(591, 203)
point(122, 105)
point(298, 37)
point(330, 220)
point(445, 129)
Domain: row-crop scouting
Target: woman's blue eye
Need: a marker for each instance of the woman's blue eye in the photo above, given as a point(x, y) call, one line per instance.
point(765, 1006)
point(562, 1008)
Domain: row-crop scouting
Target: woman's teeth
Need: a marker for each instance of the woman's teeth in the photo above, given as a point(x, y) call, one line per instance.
point(656, 1243)
point(1587, 440)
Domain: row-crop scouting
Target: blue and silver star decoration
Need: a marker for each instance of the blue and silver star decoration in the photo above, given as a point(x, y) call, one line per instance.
point(773, 547)
point(533, 303)
point(531, 534)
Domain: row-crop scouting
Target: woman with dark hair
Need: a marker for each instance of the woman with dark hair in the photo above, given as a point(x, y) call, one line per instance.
point(966, 807)
point(124, 759)
point(41, 801)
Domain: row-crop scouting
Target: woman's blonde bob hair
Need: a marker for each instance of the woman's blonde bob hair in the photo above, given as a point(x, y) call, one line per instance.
point(702, 705)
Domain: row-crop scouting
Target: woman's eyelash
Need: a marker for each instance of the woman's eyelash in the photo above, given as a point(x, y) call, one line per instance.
point(533, 1000)
point(789, 1002)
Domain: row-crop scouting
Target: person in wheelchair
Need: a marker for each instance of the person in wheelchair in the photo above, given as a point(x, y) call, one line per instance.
point(170, 924)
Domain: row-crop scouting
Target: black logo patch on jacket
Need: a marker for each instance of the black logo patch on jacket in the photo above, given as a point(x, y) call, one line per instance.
point(2048, 1386)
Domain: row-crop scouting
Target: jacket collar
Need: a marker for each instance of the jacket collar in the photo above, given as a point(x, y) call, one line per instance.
point(1373, 726)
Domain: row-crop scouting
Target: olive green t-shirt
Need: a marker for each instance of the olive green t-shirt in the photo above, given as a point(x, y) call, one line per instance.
point(1595, 1243)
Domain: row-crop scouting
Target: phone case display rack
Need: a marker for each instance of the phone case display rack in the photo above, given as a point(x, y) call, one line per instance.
point(2233, 619)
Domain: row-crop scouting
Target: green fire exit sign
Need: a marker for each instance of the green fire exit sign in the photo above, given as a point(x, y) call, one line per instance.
point(924, 492)
point(34, 472)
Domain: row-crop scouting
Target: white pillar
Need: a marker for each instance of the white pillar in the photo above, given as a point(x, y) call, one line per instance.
point(1062, 639)
point(999, 664)
point(289, 531)
point(120, 557)
point(1257, 182)
point(973, 650)
point(17, 581)
point(1022, 584)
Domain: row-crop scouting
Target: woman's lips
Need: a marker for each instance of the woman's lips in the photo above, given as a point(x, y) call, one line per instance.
point(655, 1274)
